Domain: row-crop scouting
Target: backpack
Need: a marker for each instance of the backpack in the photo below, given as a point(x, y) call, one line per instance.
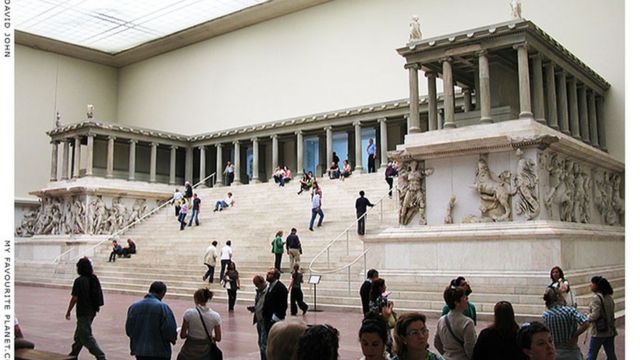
point(95, 293)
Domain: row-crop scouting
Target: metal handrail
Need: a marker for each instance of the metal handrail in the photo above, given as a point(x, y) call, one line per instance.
point(326, 248)
point(121, 231)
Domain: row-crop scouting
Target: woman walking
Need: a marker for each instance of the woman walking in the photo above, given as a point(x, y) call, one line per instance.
point(231, 283)
point(277, 248)
point(295, 289)
point(198, 325)
point(601, 315)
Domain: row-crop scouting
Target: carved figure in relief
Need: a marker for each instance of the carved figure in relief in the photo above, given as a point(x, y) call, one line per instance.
point(567, 198)
point(27, 225)
point(495, 195)
point(42, 218)
point(413, 198)
point(516, 9)
point(55, 218)
point(581, 195)
point(526, 182)
point(98, 215)
point(452, 203)
point(78, 215)
point(138, 209)
point(117, 216)
point(616, 200)
point(414, 29)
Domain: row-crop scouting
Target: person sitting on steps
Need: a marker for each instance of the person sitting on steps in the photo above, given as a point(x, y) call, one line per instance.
point(226, 202)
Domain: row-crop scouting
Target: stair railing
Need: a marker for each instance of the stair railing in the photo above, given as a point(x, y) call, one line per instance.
point(345, 232)
point(117, 234)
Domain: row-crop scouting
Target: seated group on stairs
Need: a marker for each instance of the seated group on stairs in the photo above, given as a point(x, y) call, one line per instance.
point(554, 337)
point(120, 251)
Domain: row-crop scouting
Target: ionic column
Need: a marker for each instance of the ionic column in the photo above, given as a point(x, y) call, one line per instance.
point(573, 108)
point(329, 140)
point(593, 122)
point(236, 158)
point(299, 153)
point(65, 160)
point(274, 151)
point(466, 94)
point(255, 179)
point(552, 106)
point(152, 162)
point(203, 162)
point(132, 159)
point(433, 100)
point(584, 114)
point(54, 161)
point(358, 146)
point(383, 144)
point(538, 93)
point(172, 165)
point(523, 81)
point(76, 157)
point(90, 155)
point(449, 100)
point(602, 138)
point(563, 103)
point(485, 88)
point(188, 164)
point(219, 170)
point(110, 146)
point(413, 125)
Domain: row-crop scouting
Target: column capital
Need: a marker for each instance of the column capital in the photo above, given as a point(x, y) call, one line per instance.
point(111, 137)
point(446, 58)
point(54, 142)
point(218, 145)
point(466, 90)
point(357, 123)
point(381, 120)
point(274, 136)
point(236, 142)
point(154, 144)
point(174, 147)
point(523, 44)
point(413, 66)
point(482, 52)
point(298, 132)
point(254, 139)
point(537, 55)
point(429, 72)
point(328, 128)
point(201, 147)
point(549, 64)
point(133, 141)
point(76, 137)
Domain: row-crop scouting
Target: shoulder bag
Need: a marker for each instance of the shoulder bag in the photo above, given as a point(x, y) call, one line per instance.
point(446, 320)
point(602, 323)
point(215, 353)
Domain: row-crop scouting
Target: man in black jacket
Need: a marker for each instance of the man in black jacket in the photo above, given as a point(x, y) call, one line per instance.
point(294, 248)
point(361, 209)
point(365, 289)
point(275, 301)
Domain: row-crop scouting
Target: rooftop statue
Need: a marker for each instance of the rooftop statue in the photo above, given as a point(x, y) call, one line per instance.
point(414, 29)
point(516, 9)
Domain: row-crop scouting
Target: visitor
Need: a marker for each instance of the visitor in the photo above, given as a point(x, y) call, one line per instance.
point(365, 289)
point(256, 309)
point(210, 259)
point(294, 248)
point(335, 158)
point(566, 324)
point(319, 342)
point(228, 173)
point(86, 297)
point(389, 173)
point(470, 311)
point(176, 201)
point(129, 249)
point(275, 301)
point(346, 170)
point(315, 189)
point(295, 289)
point(224, 203)
point(277, 248)
point(116, 250)
point(198, 323)
point(380, 305)
point(372, 152)
point(282, 342)
point(372, 337)
point(188, 193)
point(602, 317)
point(455, 334)
point(536, 342)
point(184, 210)
point(195, 210)
point(411, 338)
point(333, 171)
point(361, 211)
point(225, 258)
point(316, 209)
point(287, 174)
point(231, 283)
point(306, 182)
point(19, 342)
point(278, 176)
point(560, 282)
point(498, 341)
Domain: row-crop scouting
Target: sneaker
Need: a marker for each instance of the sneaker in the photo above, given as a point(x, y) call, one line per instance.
point(310, 229)
point(319, 225)
point(304, 311)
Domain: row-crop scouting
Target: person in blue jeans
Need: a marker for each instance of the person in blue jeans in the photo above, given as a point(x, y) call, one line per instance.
point(195, 210)
point(602, 306)
point(316, 209)
point(182, 215)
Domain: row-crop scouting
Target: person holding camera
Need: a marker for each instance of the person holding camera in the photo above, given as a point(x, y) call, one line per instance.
point(379, 305)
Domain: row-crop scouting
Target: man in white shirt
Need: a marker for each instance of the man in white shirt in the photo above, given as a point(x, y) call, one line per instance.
point(210, 257)
point(177, 196)
point(226, 202)
point(316, 209)
point(225, 258)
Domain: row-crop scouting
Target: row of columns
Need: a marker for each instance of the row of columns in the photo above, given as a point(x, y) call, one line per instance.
point(579, 112)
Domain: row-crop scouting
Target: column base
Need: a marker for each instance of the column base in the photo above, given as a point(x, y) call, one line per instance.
point(542, 121)
point(586, 141)
point(255, 181)
point(414, 130)
point(450, 125)
point(486, 120)
point(525, 115)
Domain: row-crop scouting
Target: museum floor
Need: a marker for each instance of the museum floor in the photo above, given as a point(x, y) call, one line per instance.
point(41, 312)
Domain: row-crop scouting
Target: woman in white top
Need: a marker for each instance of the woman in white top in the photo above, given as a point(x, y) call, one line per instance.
point(455, 333)
point(199, 341)
point(561, 283)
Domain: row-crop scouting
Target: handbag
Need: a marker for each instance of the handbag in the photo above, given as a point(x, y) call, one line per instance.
point(215, 353)
point(602, 324)
point(446, 321)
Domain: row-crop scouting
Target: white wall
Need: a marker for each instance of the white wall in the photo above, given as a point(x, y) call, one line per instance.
point(343, 54)
point(46, 83)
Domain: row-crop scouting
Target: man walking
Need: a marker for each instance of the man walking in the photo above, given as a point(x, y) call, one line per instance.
point(372, 152)
point(151, 326)
point(275, 300)
point(195, 210)
point(365, 289)
point(225, 258)
point(87, 295)
point(566, 324)
point(188, 193)
point(294, 248)
point(361, 209)
point(316, 209)
point(210, 258)
point(257, 310)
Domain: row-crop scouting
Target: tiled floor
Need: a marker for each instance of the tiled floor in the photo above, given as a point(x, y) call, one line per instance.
point(41, 314)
